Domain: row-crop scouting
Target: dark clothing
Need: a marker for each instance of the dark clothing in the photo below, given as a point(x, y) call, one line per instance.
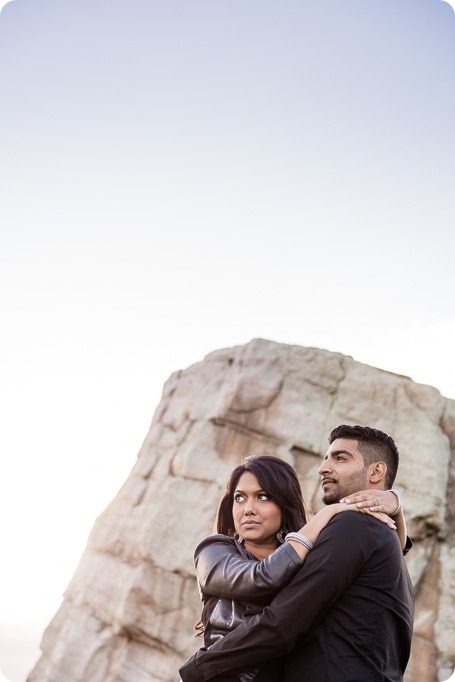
point(346, 616)
point(234, 586)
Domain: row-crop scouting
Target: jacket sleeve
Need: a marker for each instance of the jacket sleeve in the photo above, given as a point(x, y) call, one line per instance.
point(223, 572)
point(339, 554)
point(407, 546)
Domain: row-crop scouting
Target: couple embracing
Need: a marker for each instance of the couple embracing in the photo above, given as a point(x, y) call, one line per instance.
point(291, 599)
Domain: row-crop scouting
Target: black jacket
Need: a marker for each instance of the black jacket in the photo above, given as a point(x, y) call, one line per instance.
point(234, 585)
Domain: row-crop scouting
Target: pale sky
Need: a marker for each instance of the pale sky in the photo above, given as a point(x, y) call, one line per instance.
point(182, 176)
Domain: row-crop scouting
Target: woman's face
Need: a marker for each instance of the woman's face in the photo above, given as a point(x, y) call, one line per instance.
point(257, 518)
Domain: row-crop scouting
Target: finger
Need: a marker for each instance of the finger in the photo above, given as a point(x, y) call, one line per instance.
point(366, 496)
point(354, 507)
point(382, 517)
point(371, 503)
point(357, 507)
point(362, 495)
point(352, 499)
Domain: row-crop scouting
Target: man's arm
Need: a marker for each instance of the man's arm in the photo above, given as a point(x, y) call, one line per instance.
point(341, 551)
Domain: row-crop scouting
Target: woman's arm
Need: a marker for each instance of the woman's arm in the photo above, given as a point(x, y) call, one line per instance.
point(223, 571)
point(319, 521)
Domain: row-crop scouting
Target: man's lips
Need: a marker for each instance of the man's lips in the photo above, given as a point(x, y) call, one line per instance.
point(327, 481)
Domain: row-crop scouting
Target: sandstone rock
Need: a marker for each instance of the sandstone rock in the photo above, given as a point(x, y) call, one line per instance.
point(129, 610)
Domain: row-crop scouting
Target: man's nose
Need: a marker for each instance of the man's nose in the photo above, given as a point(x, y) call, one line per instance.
point(324, 467)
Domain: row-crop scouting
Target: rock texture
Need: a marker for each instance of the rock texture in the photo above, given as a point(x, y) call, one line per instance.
point(128, 613)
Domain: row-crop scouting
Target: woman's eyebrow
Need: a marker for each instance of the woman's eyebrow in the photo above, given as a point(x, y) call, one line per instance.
point(257, 492)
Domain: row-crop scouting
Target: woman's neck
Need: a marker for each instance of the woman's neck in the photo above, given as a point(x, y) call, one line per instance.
point(260, 551)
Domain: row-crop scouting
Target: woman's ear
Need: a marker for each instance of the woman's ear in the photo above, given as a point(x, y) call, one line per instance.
point(377, 472)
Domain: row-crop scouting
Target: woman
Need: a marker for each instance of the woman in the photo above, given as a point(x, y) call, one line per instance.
point(244, 566)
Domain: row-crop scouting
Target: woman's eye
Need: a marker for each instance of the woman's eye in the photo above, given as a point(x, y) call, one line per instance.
point(263, 497)
point(238, 498)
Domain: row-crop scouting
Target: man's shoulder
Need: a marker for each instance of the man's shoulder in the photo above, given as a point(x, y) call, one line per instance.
point(357, 535)
point(353, 524)
point(350, 517)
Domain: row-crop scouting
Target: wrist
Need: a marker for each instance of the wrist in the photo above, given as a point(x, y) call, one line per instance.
point(399, 497)
point(313, 527)
point(301, 539)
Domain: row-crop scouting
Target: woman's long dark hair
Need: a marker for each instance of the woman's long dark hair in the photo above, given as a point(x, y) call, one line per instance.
point(278, 480)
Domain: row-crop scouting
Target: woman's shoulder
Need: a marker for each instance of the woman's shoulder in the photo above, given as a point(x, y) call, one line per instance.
point(218, 541)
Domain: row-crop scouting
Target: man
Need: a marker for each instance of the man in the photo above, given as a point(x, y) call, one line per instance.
point(347, 615)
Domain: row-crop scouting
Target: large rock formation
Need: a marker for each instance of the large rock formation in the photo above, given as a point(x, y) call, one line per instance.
point(128, 613)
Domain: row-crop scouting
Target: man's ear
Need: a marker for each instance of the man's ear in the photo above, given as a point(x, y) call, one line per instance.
point(377, 472)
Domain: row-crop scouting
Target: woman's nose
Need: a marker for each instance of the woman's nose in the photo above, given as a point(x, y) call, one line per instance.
point(249, 507)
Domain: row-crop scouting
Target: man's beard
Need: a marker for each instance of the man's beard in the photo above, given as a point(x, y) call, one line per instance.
point(333, 496)
point(356, 482)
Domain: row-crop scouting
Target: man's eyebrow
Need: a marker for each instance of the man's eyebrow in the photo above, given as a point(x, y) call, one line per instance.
point(341, 452)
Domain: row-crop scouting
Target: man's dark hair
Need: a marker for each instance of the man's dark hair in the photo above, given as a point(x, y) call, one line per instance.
point(278, 479)
point(375, 446)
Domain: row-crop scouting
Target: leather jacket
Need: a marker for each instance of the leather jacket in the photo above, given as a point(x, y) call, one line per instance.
point(234, 585)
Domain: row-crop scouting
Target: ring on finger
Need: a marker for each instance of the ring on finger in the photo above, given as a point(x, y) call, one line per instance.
point(379, 501)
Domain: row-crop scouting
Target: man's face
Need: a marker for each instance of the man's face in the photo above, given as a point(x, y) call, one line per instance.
point(343, 471)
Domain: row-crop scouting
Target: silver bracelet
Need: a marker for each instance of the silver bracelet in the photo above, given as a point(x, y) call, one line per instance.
point(298, 537)
point(399, 497)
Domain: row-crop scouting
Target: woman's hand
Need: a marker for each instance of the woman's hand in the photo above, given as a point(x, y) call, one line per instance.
point(375, 500)
point(385, 501)
point(382, 516)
